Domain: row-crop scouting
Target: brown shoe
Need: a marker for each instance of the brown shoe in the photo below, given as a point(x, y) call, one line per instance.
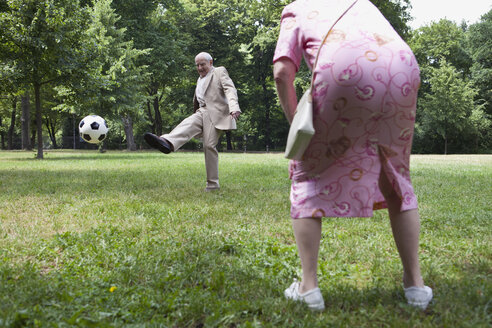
point(158, 143)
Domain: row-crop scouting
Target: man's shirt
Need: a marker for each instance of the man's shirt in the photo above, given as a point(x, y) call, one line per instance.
point(200, 87)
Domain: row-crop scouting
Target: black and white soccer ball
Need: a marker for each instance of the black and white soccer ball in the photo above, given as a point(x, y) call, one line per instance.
point(93, 129)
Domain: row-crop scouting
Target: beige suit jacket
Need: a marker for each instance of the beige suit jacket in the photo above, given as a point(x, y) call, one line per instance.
point(220, 99)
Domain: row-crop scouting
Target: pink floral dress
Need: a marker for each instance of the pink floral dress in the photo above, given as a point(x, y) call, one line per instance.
point(364, 94)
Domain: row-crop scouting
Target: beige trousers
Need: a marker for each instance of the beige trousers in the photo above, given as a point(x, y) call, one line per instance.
point(195, 125)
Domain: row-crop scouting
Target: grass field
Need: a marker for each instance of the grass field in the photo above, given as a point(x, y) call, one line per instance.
point(130, 240)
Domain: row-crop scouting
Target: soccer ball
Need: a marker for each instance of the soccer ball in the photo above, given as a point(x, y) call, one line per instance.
point(93, 129)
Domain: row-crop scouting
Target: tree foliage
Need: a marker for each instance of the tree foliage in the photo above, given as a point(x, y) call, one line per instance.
point(450, 116)
point(449, 104)
point(42, 44)
point(121, 74)
point(132, 61)
point(480, 47)
point(443, 40)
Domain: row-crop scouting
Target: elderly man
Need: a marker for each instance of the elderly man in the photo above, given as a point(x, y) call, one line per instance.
point(216, 109)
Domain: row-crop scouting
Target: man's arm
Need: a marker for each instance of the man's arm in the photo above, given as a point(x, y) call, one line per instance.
point(230, 92)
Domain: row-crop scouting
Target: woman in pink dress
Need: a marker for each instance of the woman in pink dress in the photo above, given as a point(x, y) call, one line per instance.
point(364, 99)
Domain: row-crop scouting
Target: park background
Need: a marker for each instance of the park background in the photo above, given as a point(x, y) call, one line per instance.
point(132, 62)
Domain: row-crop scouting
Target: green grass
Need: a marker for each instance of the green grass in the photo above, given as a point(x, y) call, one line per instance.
point(130, 239)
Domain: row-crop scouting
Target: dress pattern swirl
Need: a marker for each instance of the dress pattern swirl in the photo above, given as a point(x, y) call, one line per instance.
point(364, 95)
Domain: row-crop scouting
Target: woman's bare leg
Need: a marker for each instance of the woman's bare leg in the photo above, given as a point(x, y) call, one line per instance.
point(406, 230)
point(308, 235)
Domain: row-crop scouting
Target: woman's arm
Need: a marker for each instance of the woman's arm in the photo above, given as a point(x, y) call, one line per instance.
point(284, 73)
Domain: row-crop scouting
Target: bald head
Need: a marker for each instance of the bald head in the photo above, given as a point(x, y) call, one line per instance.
point(204, 63)
point(204, 55)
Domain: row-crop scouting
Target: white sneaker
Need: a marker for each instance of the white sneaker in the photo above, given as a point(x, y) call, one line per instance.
point(312, 298)
point(419, 297)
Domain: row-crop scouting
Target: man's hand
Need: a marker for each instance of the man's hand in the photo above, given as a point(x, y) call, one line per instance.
point(235, 115)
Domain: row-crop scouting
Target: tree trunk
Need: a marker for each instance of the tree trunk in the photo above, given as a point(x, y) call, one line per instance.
point(151, 118)
point(2, 135)
point(51, 126)
point(130, 140)
point(75, 132)
point(39, 119)
point(158, 117)
point(267, 115)
point(229, 140)
point(33, 135)
point(445, 145)
point(102, 146)
point(26, 121)
point(10, 132)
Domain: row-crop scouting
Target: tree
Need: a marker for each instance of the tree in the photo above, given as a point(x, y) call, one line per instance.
point(10, 131)
point(2, 135)
point(480, 46)
point(119, 68)
point(149, 27)
point(9, 94)
point(443, 40)
point(111, 84)
point(267, 126)
point(25, 121)
point(51, 117)
point(4, 112)
point(448, 106)
point(42, 43)
point(452, 99)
